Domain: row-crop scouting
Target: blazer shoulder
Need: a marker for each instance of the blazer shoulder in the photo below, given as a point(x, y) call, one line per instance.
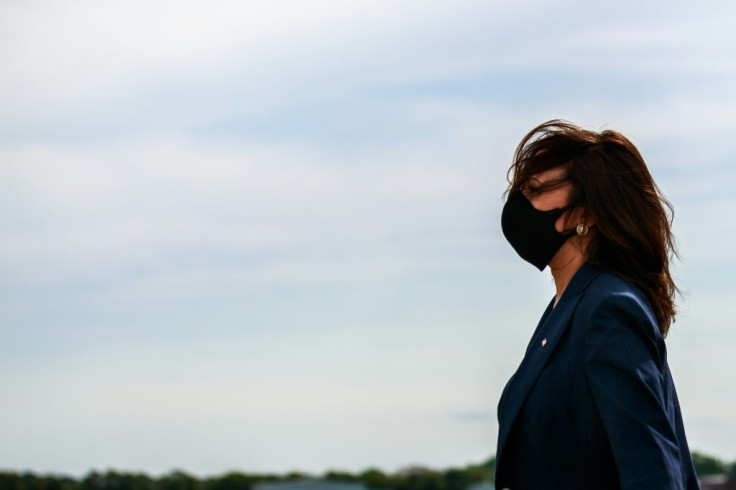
point(613, 297)
point(606, 283)
point(615, 317)
point(608, 287)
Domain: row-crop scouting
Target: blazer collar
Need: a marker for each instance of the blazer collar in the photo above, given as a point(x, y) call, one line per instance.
point(552, 325)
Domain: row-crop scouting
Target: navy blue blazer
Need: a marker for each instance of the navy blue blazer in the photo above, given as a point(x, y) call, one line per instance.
point(593, 405)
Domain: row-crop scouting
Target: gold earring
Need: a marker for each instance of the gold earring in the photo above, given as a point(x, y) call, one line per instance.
point(582, 229)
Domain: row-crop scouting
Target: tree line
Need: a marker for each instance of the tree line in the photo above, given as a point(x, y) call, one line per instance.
point(413, 478)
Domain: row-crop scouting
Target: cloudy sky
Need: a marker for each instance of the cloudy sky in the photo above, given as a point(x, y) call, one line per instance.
point(264, 236)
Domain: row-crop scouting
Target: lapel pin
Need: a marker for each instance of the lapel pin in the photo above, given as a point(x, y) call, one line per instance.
point(544, 342)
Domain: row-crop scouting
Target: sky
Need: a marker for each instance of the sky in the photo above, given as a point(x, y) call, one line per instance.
point(265, 236)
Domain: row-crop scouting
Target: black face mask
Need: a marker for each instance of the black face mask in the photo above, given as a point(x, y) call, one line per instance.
point(532, 232)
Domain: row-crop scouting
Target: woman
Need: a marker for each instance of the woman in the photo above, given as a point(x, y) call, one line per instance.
point(592, 405)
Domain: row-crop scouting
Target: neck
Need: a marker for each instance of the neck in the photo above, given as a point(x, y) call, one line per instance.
point(563, 266)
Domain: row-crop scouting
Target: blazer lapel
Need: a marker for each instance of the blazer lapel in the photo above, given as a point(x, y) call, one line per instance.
point(543, 343)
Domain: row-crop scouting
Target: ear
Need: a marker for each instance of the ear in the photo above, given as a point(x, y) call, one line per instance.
point(575, 216)
point(582, 215)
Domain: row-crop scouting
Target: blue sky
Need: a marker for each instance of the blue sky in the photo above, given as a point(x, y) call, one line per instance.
point(265, 236)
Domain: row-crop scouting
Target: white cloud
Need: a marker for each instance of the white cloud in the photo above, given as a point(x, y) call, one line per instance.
point(103, 205)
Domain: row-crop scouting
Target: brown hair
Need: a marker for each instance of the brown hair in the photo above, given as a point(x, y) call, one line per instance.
point(611, 182)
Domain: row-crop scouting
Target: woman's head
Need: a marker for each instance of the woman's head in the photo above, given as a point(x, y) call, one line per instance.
point(608, 188)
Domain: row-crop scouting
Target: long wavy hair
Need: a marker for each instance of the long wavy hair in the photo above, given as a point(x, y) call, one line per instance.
point(612, 183)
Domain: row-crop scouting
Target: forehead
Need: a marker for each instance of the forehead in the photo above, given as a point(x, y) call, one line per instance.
point(556, 173)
